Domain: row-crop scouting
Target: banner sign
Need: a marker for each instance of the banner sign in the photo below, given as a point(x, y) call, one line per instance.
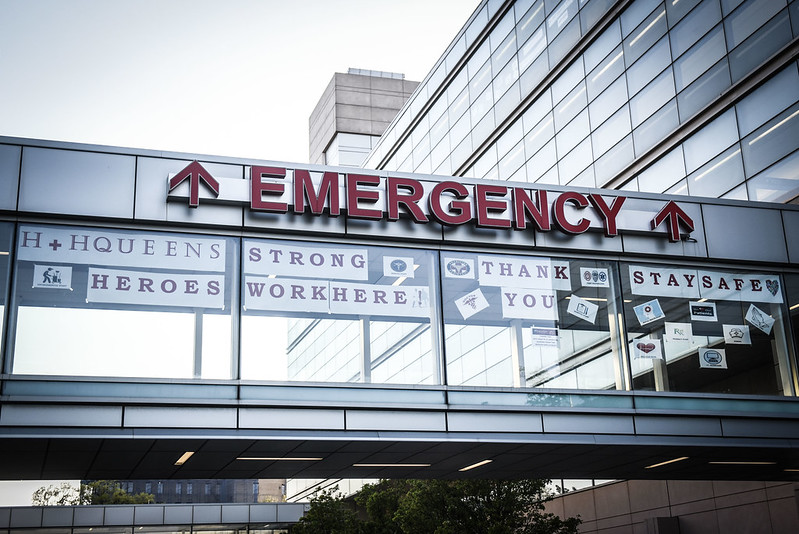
point(513, 271)
point(712, 285)
point(529, 304)
point(328, 296)
point(112, 248)
point(286, 259)
point(189, 290)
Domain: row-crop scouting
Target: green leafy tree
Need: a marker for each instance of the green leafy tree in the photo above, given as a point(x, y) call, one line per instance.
point(96, 492)
point(329, 514)
point(110, 492)
point(439, 507)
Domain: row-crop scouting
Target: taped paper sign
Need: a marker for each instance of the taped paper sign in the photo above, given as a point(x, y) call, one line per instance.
point(647, 348)
point(713, 285)
point(594, 277)
point(47, 244)
point(459, 268)
point(760, 319)
point(678, 333)
point(326, 263)
point(156, 289)
point(344, 298)
point(398, 266)
point(736, 334)
point(712, 359)
point(513, 271)
point(471, 303)
point(583, 309)
point(649, 312)
point(545, 337)
point(52, 276)
point(519, 303)
point(703, 311)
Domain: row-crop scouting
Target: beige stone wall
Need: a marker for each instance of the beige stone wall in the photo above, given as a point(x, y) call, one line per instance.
point(700, 507)
point(355, 103)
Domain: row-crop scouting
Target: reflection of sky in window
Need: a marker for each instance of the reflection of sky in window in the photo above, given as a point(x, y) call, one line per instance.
point(87, 342)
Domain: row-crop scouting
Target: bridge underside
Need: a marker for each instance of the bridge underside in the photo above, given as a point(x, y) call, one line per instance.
point(152, 455)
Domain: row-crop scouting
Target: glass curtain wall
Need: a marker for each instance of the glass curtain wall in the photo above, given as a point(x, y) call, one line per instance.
point(102, 302)
point(120, 303)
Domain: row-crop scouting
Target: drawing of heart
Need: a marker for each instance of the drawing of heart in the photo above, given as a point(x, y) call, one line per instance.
point(773, 286)
point(646, 347)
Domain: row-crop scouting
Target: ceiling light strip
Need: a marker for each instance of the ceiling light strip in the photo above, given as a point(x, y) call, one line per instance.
point(478, 464)
point(667, 462)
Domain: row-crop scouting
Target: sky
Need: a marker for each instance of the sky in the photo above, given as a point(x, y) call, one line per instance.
point(231, 78)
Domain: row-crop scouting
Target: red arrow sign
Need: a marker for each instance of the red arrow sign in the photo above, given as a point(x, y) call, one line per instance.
point(674, 214)
point(195, 172)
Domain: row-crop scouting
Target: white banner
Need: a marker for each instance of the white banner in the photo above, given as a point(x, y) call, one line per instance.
point(325, 296)
point(471, 303)
point(521, 303)
point(52, 276)
point(514, 271)
point(744, 287)
point(286, 294)
point(284, 259)
point(120, 249)
point(156, 289)
point(664, 282)
point(711, 285)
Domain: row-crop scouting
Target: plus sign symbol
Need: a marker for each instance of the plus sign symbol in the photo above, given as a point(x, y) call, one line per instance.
point(55, 245)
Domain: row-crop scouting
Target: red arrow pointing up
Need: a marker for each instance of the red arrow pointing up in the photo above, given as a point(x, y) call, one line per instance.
point(674, 214)
point(195, 172)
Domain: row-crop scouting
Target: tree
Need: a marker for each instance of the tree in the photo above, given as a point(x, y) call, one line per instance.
point(439, 507)
point(96, 492)
point(329, 514)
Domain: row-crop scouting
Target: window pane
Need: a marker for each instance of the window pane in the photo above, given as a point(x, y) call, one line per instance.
point(611, 132)
point(650, 65)
point(147, 296)
point(608, 102)
point(575, 161)
point(336, 313)
point(704, 90)
point(647, 33)
point(604, 44)
point(573, 133)
point(710, 140)
point(6, 231)
point(520, 321)
point(607, 166)
point(760, 46)
point(748, 18)
point(657, 126)
point(719, 175)
point(769, 99)
point(696, 61)
point(664, 173)
point(657, 93)
point(605, 73)
point(778, 183)
point(777, 138)
point(694, 26)
point(706, 331)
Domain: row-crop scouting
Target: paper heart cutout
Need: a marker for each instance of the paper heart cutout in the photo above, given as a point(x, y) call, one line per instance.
point(646, 347)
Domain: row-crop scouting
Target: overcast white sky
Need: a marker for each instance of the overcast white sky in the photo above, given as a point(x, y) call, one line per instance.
point(231, 78)
point(225, 77)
